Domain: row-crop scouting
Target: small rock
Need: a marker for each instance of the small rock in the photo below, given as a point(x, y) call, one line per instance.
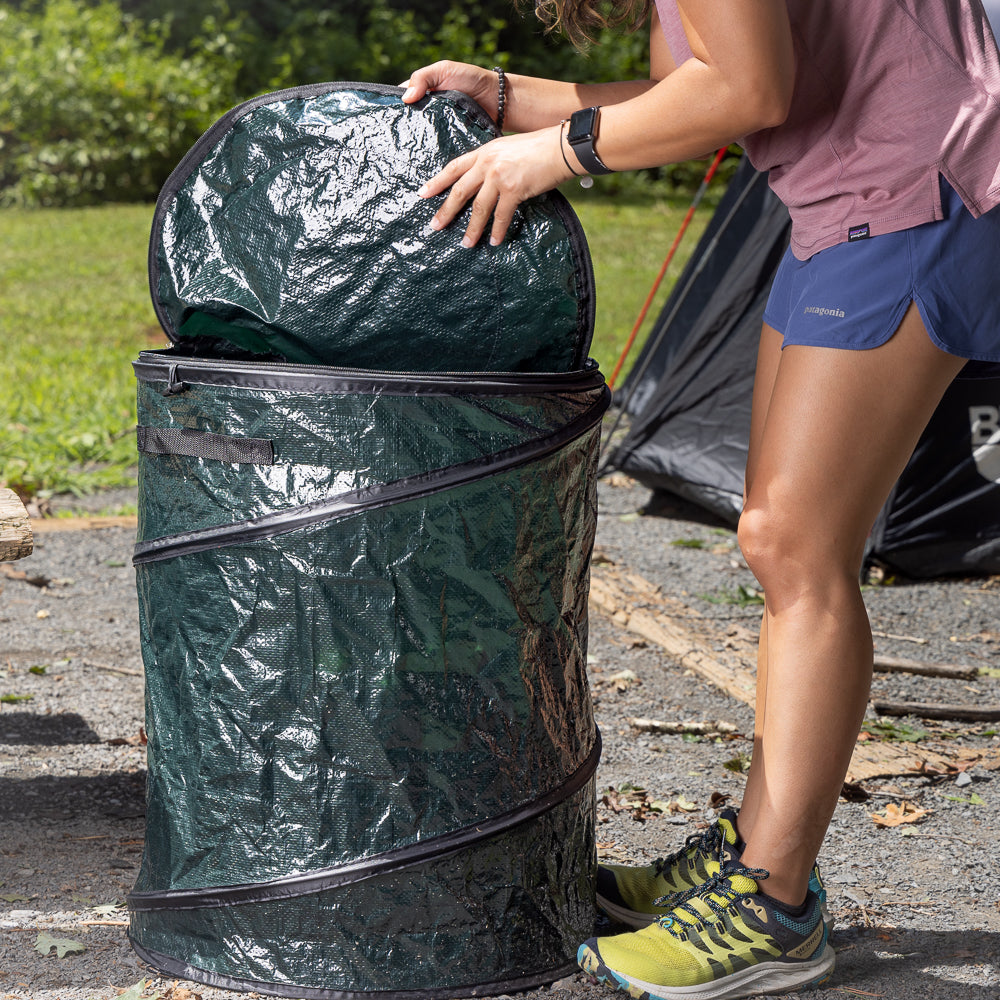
point(963, 779)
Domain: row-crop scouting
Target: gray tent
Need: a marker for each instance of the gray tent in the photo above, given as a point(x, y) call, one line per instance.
point(688, 397)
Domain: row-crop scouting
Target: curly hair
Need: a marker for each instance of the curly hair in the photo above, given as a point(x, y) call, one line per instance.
point(579, 19)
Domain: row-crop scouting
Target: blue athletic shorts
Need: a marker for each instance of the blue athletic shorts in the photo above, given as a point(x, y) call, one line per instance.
point(853, 295)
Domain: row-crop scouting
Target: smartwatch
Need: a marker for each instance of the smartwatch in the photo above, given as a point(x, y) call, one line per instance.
point(581, 136)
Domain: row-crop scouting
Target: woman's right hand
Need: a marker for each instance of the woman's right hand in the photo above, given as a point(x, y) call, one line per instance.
point(480, 84)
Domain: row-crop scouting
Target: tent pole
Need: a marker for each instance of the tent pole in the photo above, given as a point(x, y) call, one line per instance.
point(695, 202)
point(635, 378)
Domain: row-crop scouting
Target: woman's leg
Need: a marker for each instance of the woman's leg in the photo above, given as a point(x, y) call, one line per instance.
point(768, 358)
point(836, 429)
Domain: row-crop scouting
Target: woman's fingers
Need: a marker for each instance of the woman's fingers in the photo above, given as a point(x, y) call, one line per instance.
point(448, 75)
point(466, 182)
point(496, 178)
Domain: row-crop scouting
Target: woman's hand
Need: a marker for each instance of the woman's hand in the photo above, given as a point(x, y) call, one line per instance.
point(497, 177)
point(480, 84)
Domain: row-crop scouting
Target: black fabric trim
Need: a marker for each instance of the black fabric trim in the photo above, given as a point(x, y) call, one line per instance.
point(180, 969)
point(388, 862)
point(166, 366)
point(353, 502)
point(204, 444)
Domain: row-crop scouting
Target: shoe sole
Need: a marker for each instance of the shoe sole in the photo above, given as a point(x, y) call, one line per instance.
point(766, 978)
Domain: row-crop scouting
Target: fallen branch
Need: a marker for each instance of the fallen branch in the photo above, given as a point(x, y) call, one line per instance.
point(965, 713)
point(113, 669)
point(635, 604)
point(894, 664)
point(920, 641)
point(719, 728)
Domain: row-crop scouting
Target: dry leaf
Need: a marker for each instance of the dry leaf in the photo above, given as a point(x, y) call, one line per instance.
point(63, 946)
point(622, 680)
point(620, 481)
point(897, 814)
point(178, 992)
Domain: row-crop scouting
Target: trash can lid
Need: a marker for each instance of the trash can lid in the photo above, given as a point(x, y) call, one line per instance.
point(293, 229)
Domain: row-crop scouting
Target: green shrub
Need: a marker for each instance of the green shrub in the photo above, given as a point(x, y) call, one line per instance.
point(92, 106)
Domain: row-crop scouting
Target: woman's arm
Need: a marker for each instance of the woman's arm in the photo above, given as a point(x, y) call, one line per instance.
point(532, 102)
point(738, 81)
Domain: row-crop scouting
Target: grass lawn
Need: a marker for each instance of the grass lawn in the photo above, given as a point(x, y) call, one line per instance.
point(75, 311)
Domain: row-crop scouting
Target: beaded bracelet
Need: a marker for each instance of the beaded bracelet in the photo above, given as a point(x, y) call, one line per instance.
point(501, 95)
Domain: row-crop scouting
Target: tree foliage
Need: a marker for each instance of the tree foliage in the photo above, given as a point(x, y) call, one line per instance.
point(93, 106)
point(100, 99)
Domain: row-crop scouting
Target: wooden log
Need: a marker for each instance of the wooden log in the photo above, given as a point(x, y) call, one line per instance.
point(966, 713)
point(894, 664)
point(16, 540)
point(688, 637)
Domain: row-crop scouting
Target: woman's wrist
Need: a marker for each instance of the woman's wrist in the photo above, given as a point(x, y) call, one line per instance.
point(568, 153)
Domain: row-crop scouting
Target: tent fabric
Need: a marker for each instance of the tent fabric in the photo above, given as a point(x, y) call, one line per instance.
point(363, 586)
point(689, 397)
point(689, 390)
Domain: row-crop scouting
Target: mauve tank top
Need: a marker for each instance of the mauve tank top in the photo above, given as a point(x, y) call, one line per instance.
point(888, 95)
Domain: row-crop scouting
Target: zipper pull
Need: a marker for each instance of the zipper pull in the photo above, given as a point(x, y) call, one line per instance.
point(174, 386)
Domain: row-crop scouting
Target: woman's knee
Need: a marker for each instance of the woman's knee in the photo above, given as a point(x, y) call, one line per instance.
point(788, 551)
point(761, 539)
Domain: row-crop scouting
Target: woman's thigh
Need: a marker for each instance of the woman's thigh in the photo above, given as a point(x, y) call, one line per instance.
point(833, 433)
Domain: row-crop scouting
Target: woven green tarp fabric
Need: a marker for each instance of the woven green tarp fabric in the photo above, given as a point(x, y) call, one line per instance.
point(367, 506)
point(332, 692)
point(513, 909)
point(295, 228)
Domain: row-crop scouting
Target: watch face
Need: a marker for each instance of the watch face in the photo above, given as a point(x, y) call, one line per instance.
point(582, 125)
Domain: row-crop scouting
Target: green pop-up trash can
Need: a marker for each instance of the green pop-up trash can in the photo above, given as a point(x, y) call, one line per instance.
point(367, 508)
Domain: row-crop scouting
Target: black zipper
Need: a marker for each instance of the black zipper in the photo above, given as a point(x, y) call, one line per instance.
point(180, 371)
point(343, 505)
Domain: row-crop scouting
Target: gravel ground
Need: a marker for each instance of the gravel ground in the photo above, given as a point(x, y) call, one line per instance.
point(917, 907)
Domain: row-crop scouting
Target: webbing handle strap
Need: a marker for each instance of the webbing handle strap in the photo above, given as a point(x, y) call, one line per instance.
point(203, 444)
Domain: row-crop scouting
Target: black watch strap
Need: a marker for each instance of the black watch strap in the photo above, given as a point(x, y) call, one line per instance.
point(583, 145)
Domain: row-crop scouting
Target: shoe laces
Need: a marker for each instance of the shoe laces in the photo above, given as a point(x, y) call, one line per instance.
point(710, 892)
point(710, 841)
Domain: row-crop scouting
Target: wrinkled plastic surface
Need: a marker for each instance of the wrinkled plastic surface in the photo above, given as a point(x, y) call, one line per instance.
point(325, 442)
point(395, 691)
point(509, 913)
point(299, 226)
point(334, 692)
point(328, 694)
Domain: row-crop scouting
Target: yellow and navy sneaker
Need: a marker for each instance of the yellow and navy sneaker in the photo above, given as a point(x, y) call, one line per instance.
point(631, 894)
point(722, 940)
point(637, 895)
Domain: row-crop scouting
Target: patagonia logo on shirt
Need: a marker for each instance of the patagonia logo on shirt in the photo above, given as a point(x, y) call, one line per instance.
point(856, 233)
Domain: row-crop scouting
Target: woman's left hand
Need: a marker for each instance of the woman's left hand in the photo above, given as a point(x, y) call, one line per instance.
point(497, 177)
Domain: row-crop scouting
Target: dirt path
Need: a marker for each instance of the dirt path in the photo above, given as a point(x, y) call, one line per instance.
point(917, 906)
